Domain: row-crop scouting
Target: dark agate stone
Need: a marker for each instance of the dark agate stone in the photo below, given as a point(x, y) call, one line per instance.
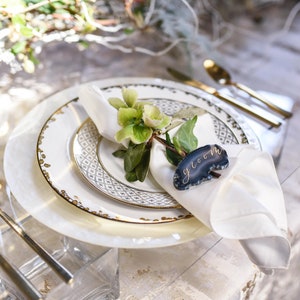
point(198, 166)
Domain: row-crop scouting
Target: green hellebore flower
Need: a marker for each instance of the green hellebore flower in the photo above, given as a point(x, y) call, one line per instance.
point(130, 96)
point(154, 118)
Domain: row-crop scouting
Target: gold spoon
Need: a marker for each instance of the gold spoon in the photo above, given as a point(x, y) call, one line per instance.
point(223, 77)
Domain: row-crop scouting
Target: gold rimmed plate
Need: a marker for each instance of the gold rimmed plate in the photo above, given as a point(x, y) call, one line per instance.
point(54, 152)
point(93, 154)
point(39, 199)
point(69, 133)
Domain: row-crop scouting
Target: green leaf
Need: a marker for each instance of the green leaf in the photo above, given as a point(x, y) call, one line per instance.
point(117, 102)
point(120, 153)
point(133, 156)
point(185, 138)
point(178, 146)
point(142, 168)
point(18, 47)
point(84, 44)
point(18, 20)
point(129, 30)
point(173, 157)
point(130, 96)
point(26, 32)
point(131, 176)
point(33, 58)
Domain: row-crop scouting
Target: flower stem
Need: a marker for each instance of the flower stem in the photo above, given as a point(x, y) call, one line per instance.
point(162, 141)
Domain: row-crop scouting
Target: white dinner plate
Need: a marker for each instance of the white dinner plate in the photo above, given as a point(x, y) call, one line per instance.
point(37, 197)
point(54, 152)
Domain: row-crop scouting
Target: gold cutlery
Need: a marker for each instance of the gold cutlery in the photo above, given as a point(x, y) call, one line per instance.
point(212, 91)
point(60, 270)
point(221, 76)
point(20, 280)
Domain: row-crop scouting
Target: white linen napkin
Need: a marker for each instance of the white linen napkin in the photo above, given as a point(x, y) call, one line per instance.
point(246, 203)
point(99, 110)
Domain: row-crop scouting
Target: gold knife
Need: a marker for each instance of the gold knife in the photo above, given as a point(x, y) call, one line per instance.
point(212, 91)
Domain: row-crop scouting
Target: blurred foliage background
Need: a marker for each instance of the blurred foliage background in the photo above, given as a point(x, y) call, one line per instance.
point(27, 25)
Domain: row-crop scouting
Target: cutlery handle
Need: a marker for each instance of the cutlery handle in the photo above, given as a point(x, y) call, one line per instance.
point(271, 105)
point(212, 91)
point(20, 280)
point(65, 274)
point(248, 109)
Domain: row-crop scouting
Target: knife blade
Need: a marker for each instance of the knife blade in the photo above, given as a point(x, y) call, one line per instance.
point(212, 91)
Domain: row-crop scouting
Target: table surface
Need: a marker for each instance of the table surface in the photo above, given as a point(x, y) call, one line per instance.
point(260, 55)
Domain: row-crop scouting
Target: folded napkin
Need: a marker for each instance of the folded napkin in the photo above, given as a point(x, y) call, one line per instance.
point(246, 203)
point(99, 110)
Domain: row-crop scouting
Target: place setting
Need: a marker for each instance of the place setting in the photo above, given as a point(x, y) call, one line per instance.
point(68, 179)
